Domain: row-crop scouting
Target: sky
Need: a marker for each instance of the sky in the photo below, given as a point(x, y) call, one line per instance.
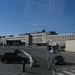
point(25, 16)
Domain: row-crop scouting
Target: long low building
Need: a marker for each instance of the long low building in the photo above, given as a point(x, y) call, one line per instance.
point(40, 38)
point(17, 40)
point(61, 38)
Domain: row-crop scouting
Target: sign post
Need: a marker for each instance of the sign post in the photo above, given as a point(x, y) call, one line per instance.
point(49, 64)
point(48, 54)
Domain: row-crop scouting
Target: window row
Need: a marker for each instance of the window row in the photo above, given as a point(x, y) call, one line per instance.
point(37, 40)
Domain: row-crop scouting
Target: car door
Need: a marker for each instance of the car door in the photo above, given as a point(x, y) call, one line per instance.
point(12, 58)
point(17, 58)
point(8, 58)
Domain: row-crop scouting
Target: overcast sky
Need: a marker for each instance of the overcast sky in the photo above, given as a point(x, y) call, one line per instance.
point(25, 16)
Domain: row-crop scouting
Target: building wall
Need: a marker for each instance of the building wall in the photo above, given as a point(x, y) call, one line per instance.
point(70, 45)
point(23, 38)
point(60, 39)
point(3, 40)
point(39, 37)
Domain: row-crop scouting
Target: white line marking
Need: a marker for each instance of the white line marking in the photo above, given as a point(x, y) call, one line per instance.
point(68, 73)
point(23, 73)
point(65, 68)
point(72, 70)
point(59, 73)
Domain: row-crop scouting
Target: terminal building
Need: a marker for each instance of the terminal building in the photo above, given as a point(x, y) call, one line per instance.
point(21, 40)
point(37, 39)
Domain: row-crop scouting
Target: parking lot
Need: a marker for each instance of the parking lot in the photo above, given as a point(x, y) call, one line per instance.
point(40, 54)
point(11, 68)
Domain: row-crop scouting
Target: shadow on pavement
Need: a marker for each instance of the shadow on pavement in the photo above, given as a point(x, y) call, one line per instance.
point(33, 72)
point(67, 64)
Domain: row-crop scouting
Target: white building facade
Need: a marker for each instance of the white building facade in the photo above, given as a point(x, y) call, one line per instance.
point(40, 38)
point(61, 38)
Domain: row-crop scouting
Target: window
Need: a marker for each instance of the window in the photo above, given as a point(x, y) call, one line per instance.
point(44, 35)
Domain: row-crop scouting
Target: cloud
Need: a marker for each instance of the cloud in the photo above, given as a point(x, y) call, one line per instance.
point(48, 25)
point(28, 23)
point(34, 24)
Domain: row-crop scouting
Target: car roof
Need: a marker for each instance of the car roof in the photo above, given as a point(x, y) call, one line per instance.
point(57, 55)
point(10, 53)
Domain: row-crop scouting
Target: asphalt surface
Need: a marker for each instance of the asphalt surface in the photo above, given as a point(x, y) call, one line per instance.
point(11, 68)
point(67, 69)
point(40, 68)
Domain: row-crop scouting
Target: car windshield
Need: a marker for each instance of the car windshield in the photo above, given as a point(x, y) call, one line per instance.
point(59, 57)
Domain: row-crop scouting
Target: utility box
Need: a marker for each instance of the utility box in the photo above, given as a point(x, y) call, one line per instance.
point(70, 45)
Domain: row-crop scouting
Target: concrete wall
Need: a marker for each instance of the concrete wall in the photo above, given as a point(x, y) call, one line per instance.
point(39, 37)
point(61, 38)
point(70, 45)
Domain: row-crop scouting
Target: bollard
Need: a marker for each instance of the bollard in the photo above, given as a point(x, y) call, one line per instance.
point(24, 66)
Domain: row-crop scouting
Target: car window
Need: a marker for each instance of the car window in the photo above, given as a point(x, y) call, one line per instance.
point(58, 57)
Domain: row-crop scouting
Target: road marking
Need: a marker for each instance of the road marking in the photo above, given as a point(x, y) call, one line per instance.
point(23, 73)
point(70, 59)
point(67, 72)
point(65, 68)
point(69, 53)
point(59, 73)
point(72, 71)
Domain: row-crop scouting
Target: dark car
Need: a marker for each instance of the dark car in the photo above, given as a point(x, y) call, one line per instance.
point(58, 59)
point(13, 57)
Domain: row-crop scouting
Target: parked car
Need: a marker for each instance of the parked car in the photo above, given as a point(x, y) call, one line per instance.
point(13, 57)
point(58, 59)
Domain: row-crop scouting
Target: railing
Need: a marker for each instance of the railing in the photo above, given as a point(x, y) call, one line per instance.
point(30, 58)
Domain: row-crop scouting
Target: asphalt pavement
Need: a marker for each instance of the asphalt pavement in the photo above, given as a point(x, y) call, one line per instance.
point(40, 67)
point(41, 56)
point(11, 68)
